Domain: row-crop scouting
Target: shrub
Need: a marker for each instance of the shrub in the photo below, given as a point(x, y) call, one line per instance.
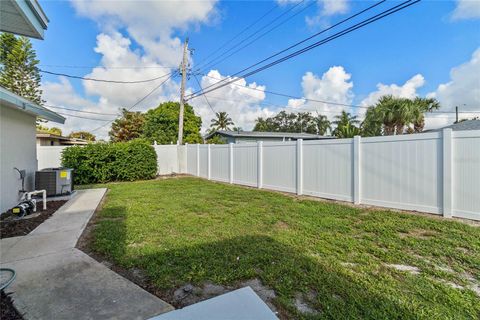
point(104, 162)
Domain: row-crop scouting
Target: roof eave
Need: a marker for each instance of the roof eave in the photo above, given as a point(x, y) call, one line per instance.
point(10, 99)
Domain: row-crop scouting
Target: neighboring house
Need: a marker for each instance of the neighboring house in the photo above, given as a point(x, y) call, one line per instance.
point(463, 125)
point(254, 136)
point(49, 139)
point(17, 115)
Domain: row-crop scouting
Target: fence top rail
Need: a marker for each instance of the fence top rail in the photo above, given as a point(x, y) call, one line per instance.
point(329, 141)
point(404, 137)
point(466, 134)
point(279, 143)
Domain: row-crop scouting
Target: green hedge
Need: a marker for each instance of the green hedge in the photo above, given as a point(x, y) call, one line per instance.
point(104, 162)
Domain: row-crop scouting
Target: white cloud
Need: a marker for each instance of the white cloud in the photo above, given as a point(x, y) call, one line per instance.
point(463, 90)
point(327, 8)
point(334, 85)
point(466, 9)
point(243, 105)
point(151, 24)
point(407, 90)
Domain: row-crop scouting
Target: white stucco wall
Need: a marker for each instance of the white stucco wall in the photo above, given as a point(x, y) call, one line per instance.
point(17, 149)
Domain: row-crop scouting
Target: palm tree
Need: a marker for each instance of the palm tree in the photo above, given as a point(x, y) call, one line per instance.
point(423, 105)
point(372, 124)
point(323, 124)
point(347, 131)
point(222, 121)
point(345, 119)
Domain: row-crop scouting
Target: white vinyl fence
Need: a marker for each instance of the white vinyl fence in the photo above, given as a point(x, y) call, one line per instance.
point(436, 172)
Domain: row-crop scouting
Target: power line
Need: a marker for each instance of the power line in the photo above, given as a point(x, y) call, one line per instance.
point(102, 80)
point(313, 36)
point(139, 101)
point(257, 38)
point(82, 111)
point(290, 96)
point(314, 100)
point(209, 62)
point(240, 33)
point(76, 116)
point(205, 96)
point(103, 67)
point(361, 24)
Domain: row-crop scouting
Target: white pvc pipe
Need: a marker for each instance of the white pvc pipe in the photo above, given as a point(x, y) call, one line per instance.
point(28, 196)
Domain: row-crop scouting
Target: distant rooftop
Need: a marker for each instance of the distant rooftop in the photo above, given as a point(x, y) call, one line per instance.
point(65, 140)
point(464, 125)
point(261, 134)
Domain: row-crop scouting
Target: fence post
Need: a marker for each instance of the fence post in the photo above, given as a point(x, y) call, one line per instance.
point(230, 157)
point(209, 162)
point(299, 167)
point(259, 164)
point(356, 169)
point(447, 172)
point(182, 155)
point(198, 160)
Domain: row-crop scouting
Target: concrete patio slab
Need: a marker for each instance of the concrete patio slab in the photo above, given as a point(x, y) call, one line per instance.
point(72, 285)
point(57, 281)
point(241, 304)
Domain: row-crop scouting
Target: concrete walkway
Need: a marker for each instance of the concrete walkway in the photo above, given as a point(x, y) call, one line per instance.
point(57, 281)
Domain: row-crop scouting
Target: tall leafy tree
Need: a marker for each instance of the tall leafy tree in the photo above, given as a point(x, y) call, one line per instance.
point(85, 135)
point(161, 124)
point(221, 121)
point(128, 127)
point(293, 122)
point(18, 68)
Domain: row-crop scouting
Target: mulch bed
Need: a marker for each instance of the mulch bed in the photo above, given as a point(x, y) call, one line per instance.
point(13, 228)
point(7, 310)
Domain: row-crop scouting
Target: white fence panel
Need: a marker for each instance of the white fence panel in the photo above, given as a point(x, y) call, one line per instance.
point(279, 166)
point(192, 159)
point(167, 159)
point(49, 156)
point(327, 169)
point(403, 172)
point(219, 162)
point(437, 172)
point(245, 164)
point(203, 154)
point(466, 174)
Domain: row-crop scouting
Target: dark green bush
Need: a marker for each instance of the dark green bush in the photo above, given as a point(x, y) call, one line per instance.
point(104, 162)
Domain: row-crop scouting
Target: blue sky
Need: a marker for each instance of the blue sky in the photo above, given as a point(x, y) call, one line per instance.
point(411, 53)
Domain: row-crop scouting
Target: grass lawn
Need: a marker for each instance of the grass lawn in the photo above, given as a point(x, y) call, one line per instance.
point(337, 258)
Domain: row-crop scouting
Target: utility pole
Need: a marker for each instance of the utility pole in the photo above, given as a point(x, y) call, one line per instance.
point(182, 92)
point(456, 114)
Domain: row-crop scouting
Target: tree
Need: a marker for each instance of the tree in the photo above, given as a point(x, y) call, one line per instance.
point(216, 139)
point(323, 124)
point(346, 125)
point(127, 127)
point(85, 135)
point(161, 124)
point(348, 130)
point(392, 115)
point(52, 130)
point(18, 68)
point(293, 122)
point(221, 122)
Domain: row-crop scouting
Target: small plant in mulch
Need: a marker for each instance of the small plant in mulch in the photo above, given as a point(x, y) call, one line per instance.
point(10, 226)
point(7, 310)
